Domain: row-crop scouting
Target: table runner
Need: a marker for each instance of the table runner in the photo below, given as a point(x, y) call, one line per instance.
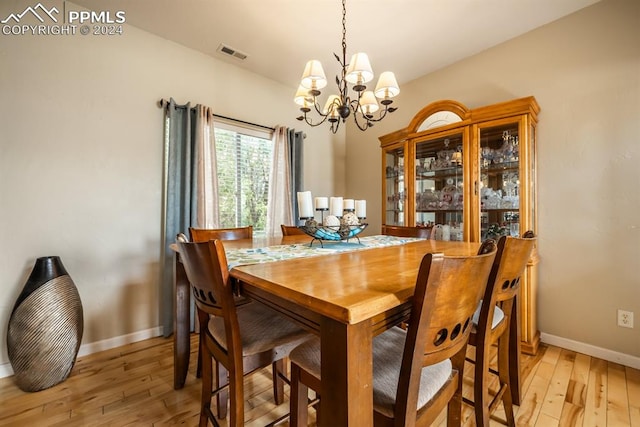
point(236, 257)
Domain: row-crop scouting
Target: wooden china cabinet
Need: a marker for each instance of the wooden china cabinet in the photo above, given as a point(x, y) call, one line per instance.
point(468, 174)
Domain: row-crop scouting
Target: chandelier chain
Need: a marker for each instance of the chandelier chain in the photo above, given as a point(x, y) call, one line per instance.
point(342, 84)
point(344, 30)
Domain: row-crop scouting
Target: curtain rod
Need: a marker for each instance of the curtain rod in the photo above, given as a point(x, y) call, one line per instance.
point(164, 102)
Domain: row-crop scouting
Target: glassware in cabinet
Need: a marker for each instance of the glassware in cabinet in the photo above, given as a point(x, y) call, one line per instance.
point(439, 190)
point(394, 195)
point(499, 181)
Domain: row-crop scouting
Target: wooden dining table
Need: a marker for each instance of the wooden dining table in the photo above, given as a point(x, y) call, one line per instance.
point(346, 298)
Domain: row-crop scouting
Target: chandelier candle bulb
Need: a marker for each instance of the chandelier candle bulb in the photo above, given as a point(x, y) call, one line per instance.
point(331, 107)
point(322, 203)
point(336, 206)
point(313, 76)
point(360, 70)
point(305, 204)
point(361, 208)
point(387, 86)
point(368, 103)
point(302, 97)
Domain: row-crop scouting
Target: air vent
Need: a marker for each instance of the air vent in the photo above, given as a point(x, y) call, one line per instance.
point(227, 50)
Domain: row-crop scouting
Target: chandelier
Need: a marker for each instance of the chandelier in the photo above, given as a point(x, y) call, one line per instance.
point(364, 104)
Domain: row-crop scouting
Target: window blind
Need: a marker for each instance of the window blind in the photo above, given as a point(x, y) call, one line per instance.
point(243, 162)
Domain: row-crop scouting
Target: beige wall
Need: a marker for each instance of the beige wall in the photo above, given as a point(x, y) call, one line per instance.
point(584, 70)
point(81, 162)
point(81, 152)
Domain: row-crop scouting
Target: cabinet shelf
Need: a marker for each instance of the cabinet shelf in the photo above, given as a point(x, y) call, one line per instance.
point(501, 167)
point(500, 210)
point(440, 173)
point(438, 210)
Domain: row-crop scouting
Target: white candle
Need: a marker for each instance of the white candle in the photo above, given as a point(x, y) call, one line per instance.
point(305, 205)
point(349, 204)
point(336, 207)
point(361, 208)
point(322, 203)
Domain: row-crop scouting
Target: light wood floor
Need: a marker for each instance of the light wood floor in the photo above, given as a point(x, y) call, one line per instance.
point(133, 385)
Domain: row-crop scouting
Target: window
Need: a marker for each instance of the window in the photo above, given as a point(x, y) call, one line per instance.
point(243, 163)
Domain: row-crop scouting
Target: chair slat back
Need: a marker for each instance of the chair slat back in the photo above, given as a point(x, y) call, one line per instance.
point(448, 290)
point(206, 234)
point(509, 266)
point(291, 230)
point(403, 231)
point(205, 264)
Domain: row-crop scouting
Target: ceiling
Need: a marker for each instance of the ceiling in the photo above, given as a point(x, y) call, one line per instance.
point(409, 37)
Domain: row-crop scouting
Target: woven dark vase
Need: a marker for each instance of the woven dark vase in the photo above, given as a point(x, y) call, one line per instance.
point(45, 327)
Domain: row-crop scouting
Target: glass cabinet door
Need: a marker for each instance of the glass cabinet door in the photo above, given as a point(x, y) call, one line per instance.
point(394, 186)
point(500, 181)
point(439, 191)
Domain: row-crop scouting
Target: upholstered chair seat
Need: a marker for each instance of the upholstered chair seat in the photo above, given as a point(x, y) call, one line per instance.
point(387, 361)
point(261, 329)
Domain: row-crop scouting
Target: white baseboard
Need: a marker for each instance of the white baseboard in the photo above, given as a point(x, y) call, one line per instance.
point(94, 347)
point(5, 370)
point(592, 350)
point(588, 349)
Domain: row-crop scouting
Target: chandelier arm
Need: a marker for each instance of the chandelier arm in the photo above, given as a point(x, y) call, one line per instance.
point(354, 107)
point(310, 123)
point(364, 126)
point(317, 108)
point(383, 113)
point(324, 119)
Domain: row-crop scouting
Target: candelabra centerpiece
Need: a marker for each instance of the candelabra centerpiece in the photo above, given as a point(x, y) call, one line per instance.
point(345, 219)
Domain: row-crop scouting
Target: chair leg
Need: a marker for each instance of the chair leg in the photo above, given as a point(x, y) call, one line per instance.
point(481, 396)
point(299, 412)
point(277, 369)
point(454, 407)
point(236, 398)
point(222, 398)
point(514, 353)
point(205, 404)
point(202, 319)
point(317, 408)
point(505, 378)
point(199, 364)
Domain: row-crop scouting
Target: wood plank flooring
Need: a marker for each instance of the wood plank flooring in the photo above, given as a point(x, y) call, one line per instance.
point(133, 386)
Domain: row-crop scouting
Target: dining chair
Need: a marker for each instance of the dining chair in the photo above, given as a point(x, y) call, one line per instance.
point(199, 235)
point(417, 372)
point(291, 230)
point(204, 234)
point(240, 340)
point(404, 231)
point(496, 322)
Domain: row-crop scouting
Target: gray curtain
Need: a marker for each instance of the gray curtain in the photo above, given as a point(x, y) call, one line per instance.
point(179, 195)
point(295, 143)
